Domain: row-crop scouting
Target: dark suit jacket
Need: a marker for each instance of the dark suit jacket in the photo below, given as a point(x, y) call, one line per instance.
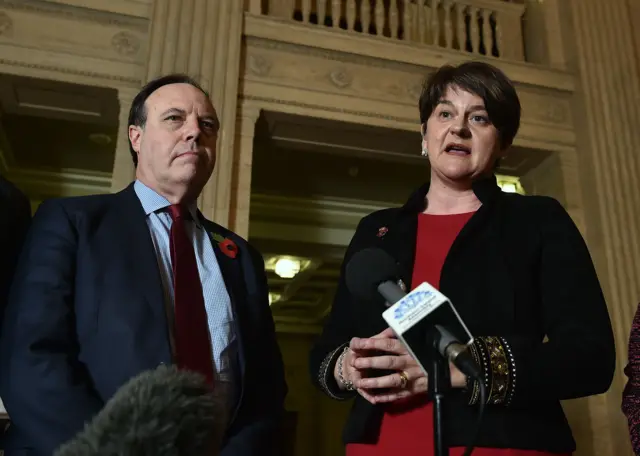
point(86, 313)
point(519, 269)
point(15, 215)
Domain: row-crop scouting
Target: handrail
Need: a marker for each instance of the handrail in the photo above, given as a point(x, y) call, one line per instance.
point(478, 27)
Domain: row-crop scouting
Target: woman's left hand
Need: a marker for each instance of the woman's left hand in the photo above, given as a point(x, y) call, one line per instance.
point(394, 357)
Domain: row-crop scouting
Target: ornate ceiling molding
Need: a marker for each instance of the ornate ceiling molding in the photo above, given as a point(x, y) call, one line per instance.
point(51, 184)
point(376, 51)
point(130, 81)
point(76, 13)
point(335, 109)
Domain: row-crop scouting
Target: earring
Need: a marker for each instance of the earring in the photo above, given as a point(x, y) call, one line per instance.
point(425, 152)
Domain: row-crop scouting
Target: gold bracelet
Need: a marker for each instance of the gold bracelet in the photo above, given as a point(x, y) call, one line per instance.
point(475, 390)
point(483, 356)
point(499, 371)
point(512, 371)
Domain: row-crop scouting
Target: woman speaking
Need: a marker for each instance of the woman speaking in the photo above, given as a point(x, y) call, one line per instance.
point(515, 267)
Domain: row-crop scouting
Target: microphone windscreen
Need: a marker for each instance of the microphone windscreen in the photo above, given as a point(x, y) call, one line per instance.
point(367, 269)
point(162, 412)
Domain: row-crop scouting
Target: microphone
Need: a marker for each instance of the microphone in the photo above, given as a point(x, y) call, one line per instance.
point(424, 310)
point(161, 412)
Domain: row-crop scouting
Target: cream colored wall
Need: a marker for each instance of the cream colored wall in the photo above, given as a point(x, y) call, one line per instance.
point(320, 419)
point(600, 41)
point(578, 104)
point(634, 16)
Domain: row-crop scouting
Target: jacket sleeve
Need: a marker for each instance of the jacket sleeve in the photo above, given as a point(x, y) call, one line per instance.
point(338, 329)
point(631, 394)
point(577, 359)
point(42, 382)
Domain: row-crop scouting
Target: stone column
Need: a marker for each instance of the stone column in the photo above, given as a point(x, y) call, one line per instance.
point(243, 158)
point(542, 33)
point(634, 13)
point(202, 38)
point(607, 120)
point(123, 169)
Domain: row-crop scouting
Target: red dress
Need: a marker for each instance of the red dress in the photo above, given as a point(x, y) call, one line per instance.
point(407, 425)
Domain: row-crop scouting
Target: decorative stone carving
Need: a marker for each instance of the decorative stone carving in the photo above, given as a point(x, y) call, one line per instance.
point(415, 90)
point(6, 24)
point(73, 71)
point(556, 112)
point(96, 15)
point(374, 115)
point(340, 78)
point(333, 55)
point(125, 43)
point(548, 111)
point(258, 65)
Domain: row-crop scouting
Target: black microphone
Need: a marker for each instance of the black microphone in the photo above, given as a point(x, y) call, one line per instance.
point(372, 271)
point(162, 412)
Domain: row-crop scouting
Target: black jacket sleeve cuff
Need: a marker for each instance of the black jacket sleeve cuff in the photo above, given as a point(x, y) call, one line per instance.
point(326, 380)
point(495, 358)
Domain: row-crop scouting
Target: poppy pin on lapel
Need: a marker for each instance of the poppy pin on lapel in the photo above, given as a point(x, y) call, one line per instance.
point(382, 231)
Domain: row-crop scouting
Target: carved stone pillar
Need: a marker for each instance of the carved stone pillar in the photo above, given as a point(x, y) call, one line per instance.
point(634, 14)
point(243, 158)
point(123, 169)
point(607, 120)
point(202, 38)
point(543, 32)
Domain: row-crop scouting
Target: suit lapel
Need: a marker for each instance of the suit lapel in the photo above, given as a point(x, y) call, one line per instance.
point(232, 274)
point(137, 246)
point(399, 242)
point(401, 235)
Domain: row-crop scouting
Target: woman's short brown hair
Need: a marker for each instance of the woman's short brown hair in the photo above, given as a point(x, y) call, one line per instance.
point(488, 82)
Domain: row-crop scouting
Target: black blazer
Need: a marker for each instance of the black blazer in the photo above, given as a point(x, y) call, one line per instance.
point(86, 313)
point(519, 270)
point(15, 216)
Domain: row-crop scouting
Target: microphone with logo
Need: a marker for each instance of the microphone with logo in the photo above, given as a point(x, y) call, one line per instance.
point(161, 412)
point(426, 322)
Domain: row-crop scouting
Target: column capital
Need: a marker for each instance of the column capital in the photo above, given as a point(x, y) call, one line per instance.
point(126, 95)
point(248, 110)
point(123, 169)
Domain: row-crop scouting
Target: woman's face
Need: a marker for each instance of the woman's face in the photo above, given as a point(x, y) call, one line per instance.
point(462, 142)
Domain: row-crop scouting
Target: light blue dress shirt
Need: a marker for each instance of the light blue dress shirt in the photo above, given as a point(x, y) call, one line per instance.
point(216, 297)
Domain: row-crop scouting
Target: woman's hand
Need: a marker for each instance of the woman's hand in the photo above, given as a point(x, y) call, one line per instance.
point(351, 374)
point(385, 352)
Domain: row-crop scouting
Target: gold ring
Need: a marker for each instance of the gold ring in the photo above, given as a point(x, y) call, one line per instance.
point(404, 379)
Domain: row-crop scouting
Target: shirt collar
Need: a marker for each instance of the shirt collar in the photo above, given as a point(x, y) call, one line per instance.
point(153, 202)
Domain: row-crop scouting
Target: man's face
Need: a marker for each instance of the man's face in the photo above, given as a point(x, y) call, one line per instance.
point(176, 147)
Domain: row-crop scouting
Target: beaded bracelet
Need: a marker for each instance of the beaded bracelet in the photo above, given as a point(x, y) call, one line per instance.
point(347, 384)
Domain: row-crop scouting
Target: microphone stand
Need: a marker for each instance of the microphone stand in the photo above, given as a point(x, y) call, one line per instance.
point(439, 384)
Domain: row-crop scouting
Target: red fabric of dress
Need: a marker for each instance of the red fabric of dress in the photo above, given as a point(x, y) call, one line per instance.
point(407, 425)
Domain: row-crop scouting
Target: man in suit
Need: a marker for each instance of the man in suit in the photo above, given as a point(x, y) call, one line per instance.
point(112, 285)
point(15, 215)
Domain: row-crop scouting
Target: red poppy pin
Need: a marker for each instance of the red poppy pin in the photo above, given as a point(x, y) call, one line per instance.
point(382, 231)
point(226, 245)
